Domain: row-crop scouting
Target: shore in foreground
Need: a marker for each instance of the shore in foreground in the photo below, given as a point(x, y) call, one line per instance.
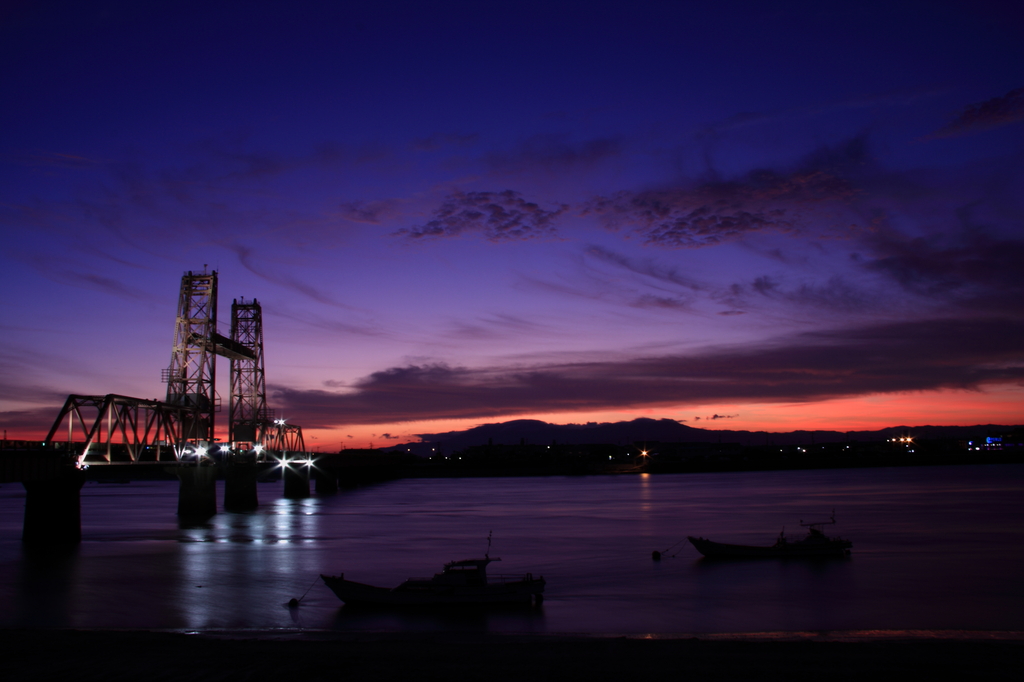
point(104, 655)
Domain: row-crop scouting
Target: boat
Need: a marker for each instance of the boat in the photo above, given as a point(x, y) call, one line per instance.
point(815, 544)
point(459, 582)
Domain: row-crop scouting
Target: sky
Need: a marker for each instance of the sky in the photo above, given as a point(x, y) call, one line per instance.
point(741, 215)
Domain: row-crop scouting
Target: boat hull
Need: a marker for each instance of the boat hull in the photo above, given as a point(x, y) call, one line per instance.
point(805, 549)
point(523, 591)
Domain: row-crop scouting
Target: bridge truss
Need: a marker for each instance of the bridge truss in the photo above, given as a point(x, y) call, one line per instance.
point(119, 428)
point(287, 438)
point(250, 420)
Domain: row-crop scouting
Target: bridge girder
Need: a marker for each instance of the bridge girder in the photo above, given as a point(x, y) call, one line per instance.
point(144, 430)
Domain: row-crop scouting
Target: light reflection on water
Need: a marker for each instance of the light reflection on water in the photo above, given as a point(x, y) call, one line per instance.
point(934, 548)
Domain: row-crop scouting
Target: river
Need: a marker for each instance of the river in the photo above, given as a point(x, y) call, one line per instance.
point(934, 548)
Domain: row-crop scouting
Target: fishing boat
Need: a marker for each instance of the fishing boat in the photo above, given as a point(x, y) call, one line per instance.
point(459, 582)
point(815, 544)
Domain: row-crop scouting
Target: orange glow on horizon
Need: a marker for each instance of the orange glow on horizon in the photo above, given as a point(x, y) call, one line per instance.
point(996, 405)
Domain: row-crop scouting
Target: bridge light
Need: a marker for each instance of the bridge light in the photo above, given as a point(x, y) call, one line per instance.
point(257, 448)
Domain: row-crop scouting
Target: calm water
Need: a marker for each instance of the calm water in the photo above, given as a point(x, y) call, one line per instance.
point(934, 548)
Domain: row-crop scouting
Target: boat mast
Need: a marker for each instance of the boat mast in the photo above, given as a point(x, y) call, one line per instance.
point(830, 522)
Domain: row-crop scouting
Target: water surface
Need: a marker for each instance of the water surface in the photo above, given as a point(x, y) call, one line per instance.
point(935, 548)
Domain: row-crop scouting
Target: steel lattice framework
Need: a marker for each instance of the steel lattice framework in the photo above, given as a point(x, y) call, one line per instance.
point(287, 438)
point(191, 375)
point(250, 419)
point(120, 428)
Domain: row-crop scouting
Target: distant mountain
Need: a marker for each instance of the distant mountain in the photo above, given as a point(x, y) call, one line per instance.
point(534, 432)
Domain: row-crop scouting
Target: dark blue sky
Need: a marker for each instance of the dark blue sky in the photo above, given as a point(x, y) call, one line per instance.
point(792, 214)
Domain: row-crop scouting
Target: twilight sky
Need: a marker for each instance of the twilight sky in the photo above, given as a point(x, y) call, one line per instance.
point(738, 215)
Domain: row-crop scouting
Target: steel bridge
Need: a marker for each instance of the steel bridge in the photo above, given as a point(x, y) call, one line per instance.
point(117, 429)
point(177, 433)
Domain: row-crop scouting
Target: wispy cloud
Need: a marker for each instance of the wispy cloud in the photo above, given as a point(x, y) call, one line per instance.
point(498, 216)
point(970, 267)
point(81, 273)
point(993, 113)
point(646, 267)
point(369, 212)
point(836, 296)
point(283, 278)
point(32, 422)
point(719, 211)
point(497, 326)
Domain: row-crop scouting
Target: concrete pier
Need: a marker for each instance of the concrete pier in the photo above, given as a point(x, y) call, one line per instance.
point(296, 480)
point(197, 492)
point(326, 481)
point(53, 510)
point(240, 487)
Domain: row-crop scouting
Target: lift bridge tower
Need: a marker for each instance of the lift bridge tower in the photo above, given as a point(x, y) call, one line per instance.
point(191, 376)
point(251, 422)
point(250, 419)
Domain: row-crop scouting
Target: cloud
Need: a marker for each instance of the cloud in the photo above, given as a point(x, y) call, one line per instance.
point(369, 212)
point(496, 327)
point(970, 267)
point(993, 113)
point(882, 358)
point(80, 272)
point(498, 216)
point(836, 295)
point(32, 423)
point(716, 212)
point(283, 279)
point(646, 268)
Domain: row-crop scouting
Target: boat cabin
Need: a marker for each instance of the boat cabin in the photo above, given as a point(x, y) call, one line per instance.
point(465, 572)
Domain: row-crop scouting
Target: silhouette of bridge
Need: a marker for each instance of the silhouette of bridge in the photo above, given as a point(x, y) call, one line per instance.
point(177, 433)
point(122, 429)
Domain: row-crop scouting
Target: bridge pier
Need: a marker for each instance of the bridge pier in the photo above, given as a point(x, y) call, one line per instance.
point(53, 510)
point(197, 492)
point(296, 480)
point(240, 487)
point(326, 481)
